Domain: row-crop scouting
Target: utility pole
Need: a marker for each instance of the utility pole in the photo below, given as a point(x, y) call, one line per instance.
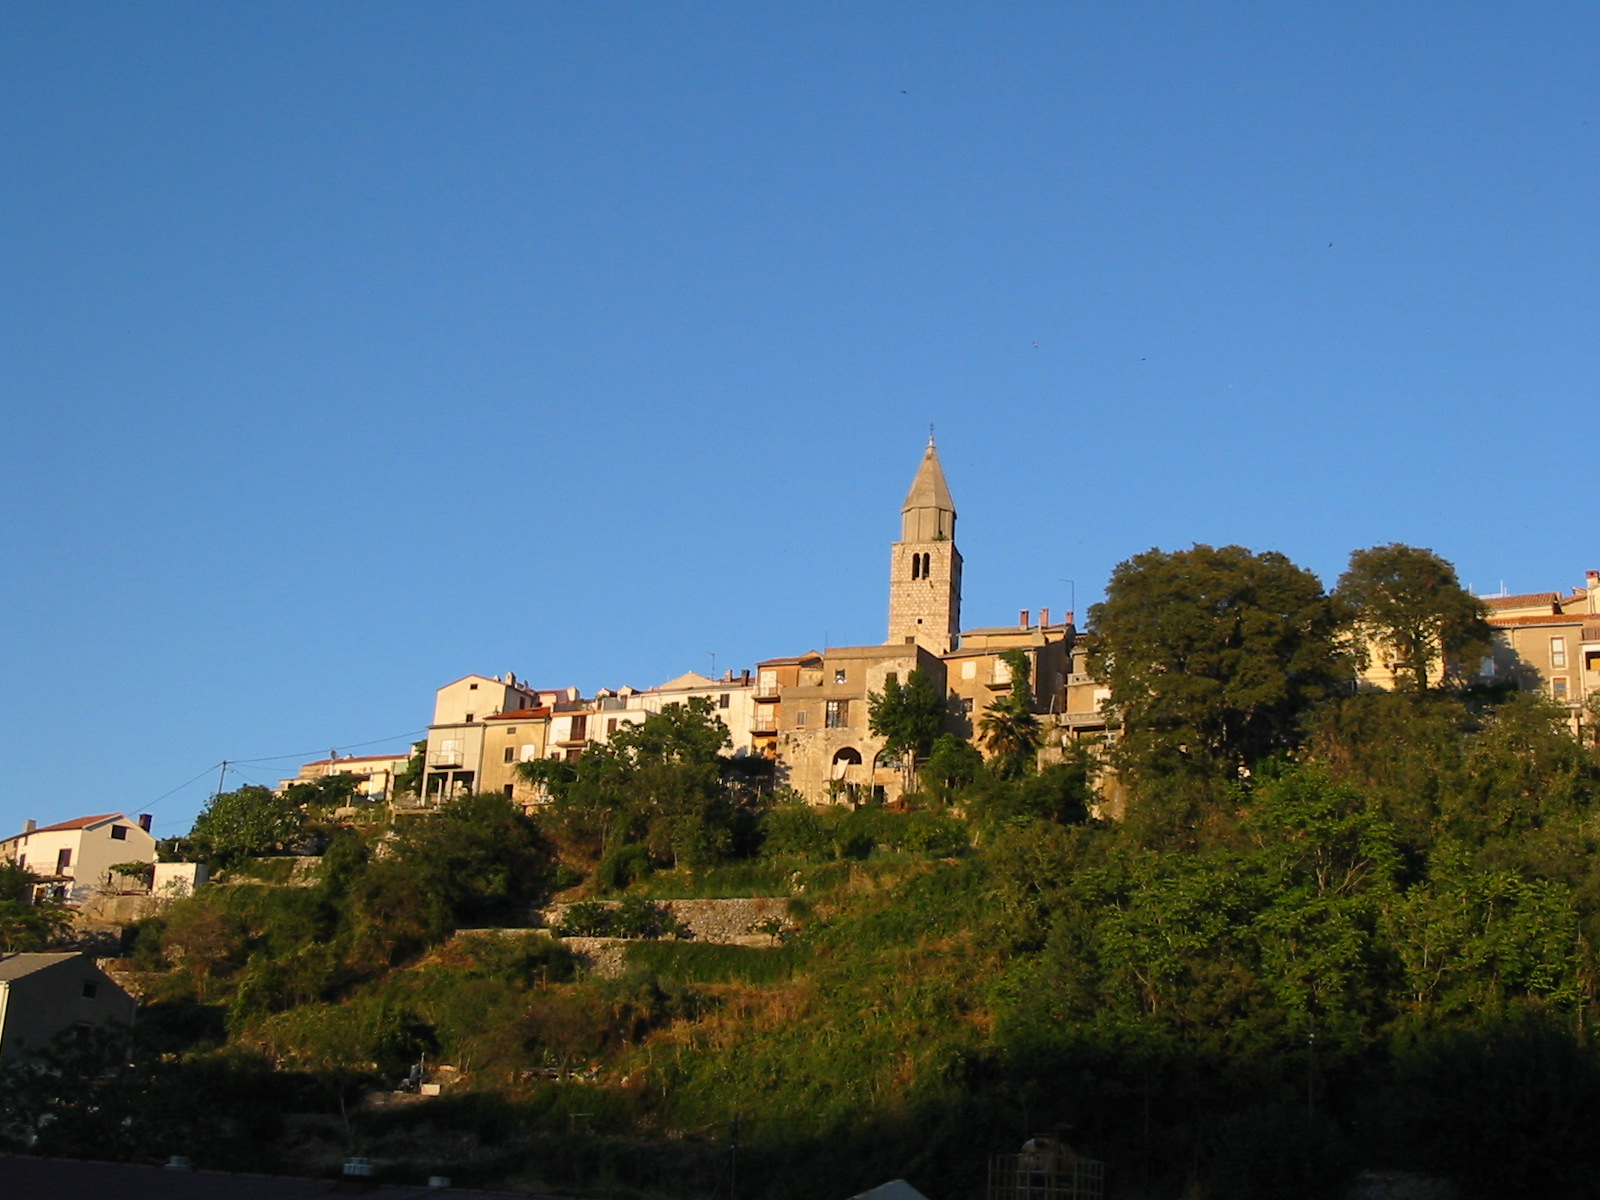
point(222, 774)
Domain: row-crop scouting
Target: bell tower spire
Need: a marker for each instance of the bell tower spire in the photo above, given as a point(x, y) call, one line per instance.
point(925, 566)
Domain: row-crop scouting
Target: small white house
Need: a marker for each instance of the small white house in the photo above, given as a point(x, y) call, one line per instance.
point(75, 857)
point(43, 994)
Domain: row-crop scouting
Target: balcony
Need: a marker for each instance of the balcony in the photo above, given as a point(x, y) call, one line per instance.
point(447, 757)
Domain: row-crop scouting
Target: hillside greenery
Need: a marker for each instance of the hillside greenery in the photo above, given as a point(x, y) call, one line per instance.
point(1335, 932)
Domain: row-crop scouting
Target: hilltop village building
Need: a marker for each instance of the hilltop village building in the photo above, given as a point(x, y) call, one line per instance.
point(71, 859)
point(808, 712)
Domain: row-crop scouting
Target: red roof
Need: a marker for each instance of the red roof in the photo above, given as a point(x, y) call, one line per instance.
point(522, 714)
point(1526, 600)
point(1537, 619)
point(76, 823)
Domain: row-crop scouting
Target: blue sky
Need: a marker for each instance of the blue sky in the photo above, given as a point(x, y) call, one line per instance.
point(348, 349)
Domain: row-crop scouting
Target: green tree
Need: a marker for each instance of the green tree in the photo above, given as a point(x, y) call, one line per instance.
point(24, 925)
point(1009, 727)
point(1406, 605)
point(252, 820)
point(1212, 655)
point(409, 781)
point(660, 783)
point(953, 765)
point(908, 717)
point(331, 791)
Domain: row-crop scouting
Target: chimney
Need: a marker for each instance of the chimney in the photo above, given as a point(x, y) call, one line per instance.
point(1067, 618)
point(1044, 617)
point(1593, 578)
point(144, 822)
point(29, 825)
point(1022, 619)
point(744, 675)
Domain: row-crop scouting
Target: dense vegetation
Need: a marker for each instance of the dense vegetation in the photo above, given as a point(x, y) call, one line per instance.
point(1336, 931)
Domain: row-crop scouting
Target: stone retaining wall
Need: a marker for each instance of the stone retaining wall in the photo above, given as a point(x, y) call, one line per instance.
point(720, 922)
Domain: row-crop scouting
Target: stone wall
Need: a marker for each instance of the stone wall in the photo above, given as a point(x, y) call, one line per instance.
point(720, 922)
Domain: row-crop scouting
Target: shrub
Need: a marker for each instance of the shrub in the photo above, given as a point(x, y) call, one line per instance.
point(634, 917)
point(622, 866)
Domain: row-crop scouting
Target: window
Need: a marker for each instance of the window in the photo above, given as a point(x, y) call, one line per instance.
point(469, 718)
point(1558, 652)
point(472, 687)
point(839, 675)
point(63, 861)
point(510, 789)
point(580, 729)
point(966, 705)
point(837, 714)
point(511, 754)
point(119, 833)
point(573, 754)
point(611, 725)
point(916, 566)
point(723, 700)
point(969, 669)
point(1558, 688)
point(800, 719)
point(90, 988)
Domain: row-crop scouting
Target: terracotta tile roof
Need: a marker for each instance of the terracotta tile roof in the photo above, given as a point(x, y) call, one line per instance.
point(522, 714)
point(78, 823)
point(809, 656)
point(1537, 619)
point(1526, 600)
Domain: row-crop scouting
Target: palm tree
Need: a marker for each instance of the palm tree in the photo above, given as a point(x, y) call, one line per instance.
point(1010, 733)
point(1008, 727)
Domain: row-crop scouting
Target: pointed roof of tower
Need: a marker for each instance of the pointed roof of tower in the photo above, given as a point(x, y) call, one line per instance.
point(928, 489)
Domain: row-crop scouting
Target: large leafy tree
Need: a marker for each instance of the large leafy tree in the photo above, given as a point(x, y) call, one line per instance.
point(1406, 604)
point(25, 925)
point(907, 716)
point(252, 820)
point(1212, 656)
point(658, 783)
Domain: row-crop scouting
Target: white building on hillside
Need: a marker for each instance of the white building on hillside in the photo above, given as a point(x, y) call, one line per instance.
point(75, 857)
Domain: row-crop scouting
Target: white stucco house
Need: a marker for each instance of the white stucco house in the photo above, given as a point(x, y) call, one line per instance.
point(74, 858)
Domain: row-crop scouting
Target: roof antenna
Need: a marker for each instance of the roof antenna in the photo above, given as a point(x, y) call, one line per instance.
point(930, 433)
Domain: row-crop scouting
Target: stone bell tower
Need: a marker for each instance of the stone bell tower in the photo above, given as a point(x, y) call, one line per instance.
point(924, 565)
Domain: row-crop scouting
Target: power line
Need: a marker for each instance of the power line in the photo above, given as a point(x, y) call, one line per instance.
point(180, 787)
point(351, 746)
